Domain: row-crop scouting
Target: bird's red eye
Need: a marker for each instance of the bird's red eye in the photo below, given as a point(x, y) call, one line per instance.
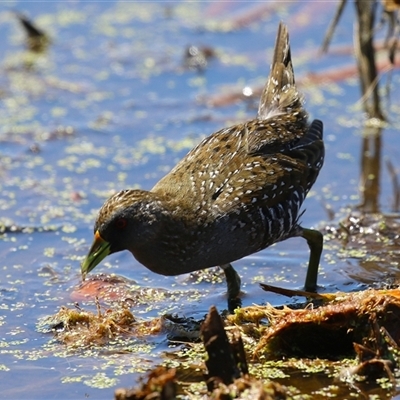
point(121, 223)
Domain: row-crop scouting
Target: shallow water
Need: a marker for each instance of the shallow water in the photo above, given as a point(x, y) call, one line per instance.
point(110, 105)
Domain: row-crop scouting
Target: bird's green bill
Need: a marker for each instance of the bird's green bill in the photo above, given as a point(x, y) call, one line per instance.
point(100, 249)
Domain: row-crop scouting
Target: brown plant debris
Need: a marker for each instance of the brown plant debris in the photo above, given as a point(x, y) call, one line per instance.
point(228, 375)
point(86, 328)
point(161, 384)
point(365, 325)
point(196, 58)
point(249, 388)
point(371, 232)
point(76, 327)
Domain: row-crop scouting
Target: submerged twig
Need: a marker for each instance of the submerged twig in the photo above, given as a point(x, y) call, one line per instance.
point(365, 52)
point(332, 26)
point(395, 185)
point(365, 55)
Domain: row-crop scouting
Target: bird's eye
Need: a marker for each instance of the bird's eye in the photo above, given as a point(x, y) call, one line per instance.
point(121, 223)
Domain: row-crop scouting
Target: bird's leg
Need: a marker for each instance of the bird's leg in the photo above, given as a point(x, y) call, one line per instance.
point(315, 243)
point(232, 281)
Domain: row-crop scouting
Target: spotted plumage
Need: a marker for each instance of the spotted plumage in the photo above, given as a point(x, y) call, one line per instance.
point(237, 192)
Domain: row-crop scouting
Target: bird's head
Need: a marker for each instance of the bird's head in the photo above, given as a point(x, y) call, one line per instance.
point(119, 225)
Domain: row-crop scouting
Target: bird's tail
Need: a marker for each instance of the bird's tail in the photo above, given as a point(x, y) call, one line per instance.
point(280, 95)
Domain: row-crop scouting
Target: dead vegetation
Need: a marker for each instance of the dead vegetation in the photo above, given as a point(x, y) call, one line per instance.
point(77, 328)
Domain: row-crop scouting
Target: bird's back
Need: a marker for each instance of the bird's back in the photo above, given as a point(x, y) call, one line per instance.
point(253, 176)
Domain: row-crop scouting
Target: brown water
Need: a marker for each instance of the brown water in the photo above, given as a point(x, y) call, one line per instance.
point(110, 105)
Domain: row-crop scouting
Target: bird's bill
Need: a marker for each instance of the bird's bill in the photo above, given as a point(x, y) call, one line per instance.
point(100, 249)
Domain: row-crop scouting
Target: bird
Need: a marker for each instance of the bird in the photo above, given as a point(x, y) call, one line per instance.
point(237, 192)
